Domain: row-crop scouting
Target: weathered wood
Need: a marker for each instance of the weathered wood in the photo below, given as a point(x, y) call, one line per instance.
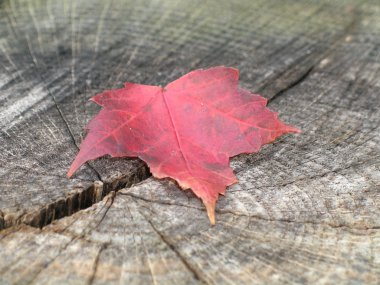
point(306, 208)
point(45, 107)
point(134, 240)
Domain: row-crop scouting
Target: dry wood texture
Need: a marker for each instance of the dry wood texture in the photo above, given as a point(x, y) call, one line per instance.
point(307, 208)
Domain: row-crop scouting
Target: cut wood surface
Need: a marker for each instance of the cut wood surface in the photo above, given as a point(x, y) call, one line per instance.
point(306, 209)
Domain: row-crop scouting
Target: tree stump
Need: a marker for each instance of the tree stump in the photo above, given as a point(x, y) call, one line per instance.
point(306, 208)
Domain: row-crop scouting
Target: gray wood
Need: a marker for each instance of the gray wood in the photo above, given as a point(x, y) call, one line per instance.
point(306, 208)
point(45, 91)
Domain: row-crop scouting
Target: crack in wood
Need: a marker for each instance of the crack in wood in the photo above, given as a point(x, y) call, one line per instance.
point(349, 29)
point(323, 231)
point(96, 263)
point(61, 250)
point(258, 217)
point(180, 256)
point(292, 84)
point(74, 202)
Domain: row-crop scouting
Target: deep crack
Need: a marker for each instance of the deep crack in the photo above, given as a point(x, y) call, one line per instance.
point(74, 202)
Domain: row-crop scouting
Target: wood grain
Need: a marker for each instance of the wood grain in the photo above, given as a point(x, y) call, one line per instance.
point(306, 208)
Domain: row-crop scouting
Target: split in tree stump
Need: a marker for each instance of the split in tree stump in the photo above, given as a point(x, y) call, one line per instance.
point(306, 209)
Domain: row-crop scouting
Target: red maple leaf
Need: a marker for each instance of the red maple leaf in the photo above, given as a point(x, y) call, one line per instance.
point(187, 130)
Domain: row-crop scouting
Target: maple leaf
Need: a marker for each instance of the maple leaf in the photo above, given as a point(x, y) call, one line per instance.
point(187, 130)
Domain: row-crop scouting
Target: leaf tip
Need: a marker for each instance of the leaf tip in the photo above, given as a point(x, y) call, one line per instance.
point(294, 130)
point(70, 172)
point(210, 207)
point(73, 168)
